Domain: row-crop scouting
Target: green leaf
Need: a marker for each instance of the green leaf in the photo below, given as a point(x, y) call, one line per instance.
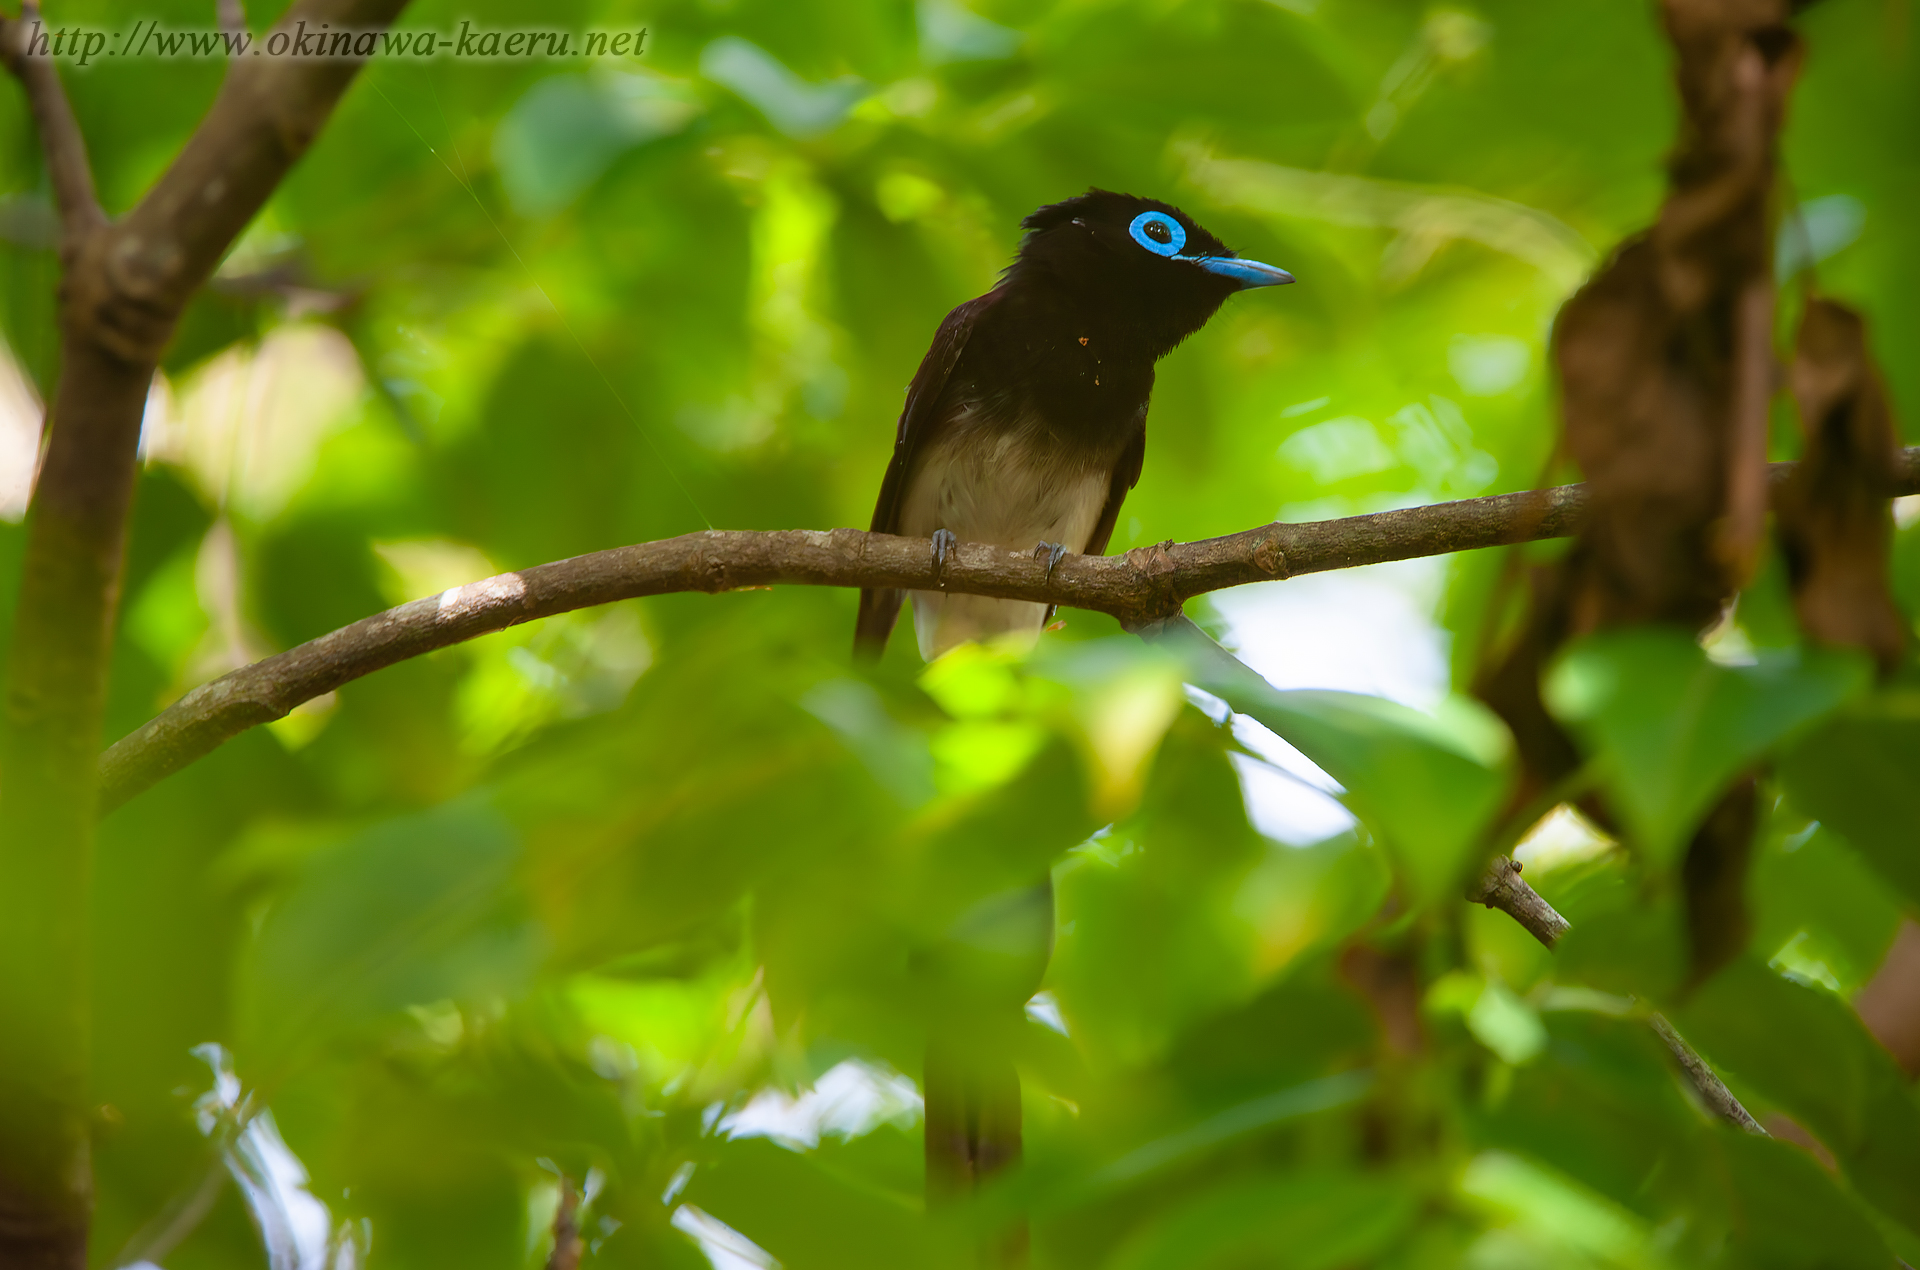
point(1566, 1221)
point(1234, 1124)
point(1009, 835)
point(1149, 938)
point(1602, 1106)
point(1305, 1221)
point(1805, 1051)
point(1428, 786)
point(1819, 906)
point(808, 1214)
point(1669, 727)
point(409, 912)
point(897, 756)
point(567, 129)
point(1627, 943)
point(1789, 1215)
point(1506, 1025)
point(1859, 775)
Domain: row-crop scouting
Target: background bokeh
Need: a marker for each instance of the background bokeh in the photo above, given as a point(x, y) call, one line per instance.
point(644, 895)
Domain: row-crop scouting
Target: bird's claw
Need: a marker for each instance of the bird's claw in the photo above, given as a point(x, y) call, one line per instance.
point(943, 544)
point(1054, 553)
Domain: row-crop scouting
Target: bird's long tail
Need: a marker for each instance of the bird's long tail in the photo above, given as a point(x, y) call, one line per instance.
point(973, 1127)
point(977, 982)
point(879, 609)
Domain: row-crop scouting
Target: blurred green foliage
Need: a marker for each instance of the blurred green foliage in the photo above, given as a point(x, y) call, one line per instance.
point(608, 895)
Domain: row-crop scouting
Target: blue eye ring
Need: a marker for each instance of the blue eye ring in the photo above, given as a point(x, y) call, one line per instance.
point(1176, 234)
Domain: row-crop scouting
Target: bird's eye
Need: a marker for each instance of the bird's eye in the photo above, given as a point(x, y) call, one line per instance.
point(1159, 233)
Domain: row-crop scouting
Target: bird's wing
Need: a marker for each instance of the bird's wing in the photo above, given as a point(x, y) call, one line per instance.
point(880, 607)
point(1126, 474)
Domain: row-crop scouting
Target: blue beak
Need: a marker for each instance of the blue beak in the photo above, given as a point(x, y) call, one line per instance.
point(1248, 273)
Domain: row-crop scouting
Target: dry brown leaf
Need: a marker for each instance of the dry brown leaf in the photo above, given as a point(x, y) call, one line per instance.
point(1667, 370)
point(1890, 1003)
point(1835, 528)
point(1645, 419)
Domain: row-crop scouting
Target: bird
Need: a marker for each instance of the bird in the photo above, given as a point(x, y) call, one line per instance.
point(1025, 427)
point(1026, 423)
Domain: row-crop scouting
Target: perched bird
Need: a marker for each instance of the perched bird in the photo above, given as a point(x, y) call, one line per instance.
point(1025, 427)
point(1027, 422)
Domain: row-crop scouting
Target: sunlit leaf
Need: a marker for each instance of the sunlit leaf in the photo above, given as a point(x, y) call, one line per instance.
point(1820, 909)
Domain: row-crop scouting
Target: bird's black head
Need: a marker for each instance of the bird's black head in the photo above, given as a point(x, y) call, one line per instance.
point(1138, 259)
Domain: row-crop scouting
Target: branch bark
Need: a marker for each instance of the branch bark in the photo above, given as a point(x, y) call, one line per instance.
point(1501, 887)
point(123, 286)
point(567, 1243)
point(1141, 587)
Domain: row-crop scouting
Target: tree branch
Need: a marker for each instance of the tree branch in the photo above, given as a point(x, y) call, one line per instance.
point(268, 112)
point(66, 149)
point(1501, 887)
point(567, 1243)
point(123, 286)
point(1140, 587)
point(1712, 1090)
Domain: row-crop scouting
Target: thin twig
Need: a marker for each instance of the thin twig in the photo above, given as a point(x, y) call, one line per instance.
point(65, 148)
point(1141, 587)
point(1501, 887)
point(1712, 1090)
point(567, 1244)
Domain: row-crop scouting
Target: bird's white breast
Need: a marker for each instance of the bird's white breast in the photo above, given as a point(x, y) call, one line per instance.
point(1015, 488)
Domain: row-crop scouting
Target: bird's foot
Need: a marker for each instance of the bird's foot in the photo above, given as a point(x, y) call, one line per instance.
point(1054, 553)
point(943, 544)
